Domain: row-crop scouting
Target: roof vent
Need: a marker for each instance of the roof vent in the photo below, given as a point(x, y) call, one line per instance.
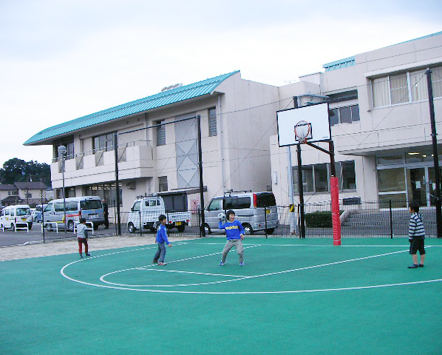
point(171, 87)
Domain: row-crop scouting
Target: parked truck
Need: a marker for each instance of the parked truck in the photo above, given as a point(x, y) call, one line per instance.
point(146, 210)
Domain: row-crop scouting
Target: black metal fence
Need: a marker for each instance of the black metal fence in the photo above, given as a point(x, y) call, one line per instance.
point(358, 219)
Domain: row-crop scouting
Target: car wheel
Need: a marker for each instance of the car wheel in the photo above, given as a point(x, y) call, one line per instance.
point(247, 229)
point(131, 228)
point(270, 230)
point(181, 228)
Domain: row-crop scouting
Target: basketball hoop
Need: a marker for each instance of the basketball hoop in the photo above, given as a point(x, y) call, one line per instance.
point(303, 131)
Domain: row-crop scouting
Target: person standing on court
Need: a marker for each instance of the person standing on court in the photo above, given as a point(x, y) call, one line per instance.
point(161, 240)
point(416, 235)
point(82, 236)
point(106, 214)
point(234, 234)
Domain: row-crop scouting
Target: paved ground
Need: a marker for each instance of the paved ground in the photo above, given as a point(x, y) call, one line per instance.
point(69, 246)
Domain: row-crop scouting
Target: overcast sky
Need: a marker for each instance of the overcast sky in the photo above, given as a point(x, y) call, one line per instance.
point(63, 59)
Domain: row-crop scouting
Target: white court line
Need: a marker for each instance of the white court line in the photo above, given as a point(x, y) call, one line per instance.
point(130, 288)
point(102, 278)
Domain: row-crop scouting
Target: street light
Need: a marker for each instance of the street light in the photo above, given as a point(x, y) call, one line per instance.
point(61, 155)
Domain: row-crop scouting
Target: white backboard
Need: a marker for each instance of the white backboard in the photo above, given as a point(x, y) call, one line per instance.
point(317, 115)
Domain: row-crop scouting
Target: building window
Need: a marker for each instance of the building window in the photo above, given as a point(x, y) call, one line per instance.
point(399, 89)
point(436, 78)
point(321, 178)
point(347, 175)
point(70, 154)
point(312, 178)
point(347, 114)
point(13, 193)
point(405, 87)
point(162, 184)
point(161, 133)
point(315, 178)
point(106, 192)
point(212, 122)
point(104, 142)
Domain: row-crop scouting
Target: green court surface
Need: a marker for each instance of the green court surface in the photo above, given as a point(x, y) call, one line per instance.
point(293, 296)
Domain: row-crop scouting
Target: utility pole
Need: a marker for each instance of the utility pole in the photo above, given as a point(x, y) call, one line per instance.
point(200, 168)
point(435, 155)
point(117, 185)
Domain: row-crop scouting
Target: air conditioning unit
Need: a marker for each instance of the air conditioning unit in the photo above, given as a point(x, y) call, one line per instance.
point(131, 185)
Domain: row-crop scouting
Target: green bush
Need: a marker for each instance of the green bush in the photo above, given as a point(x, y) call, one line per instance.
point(319, 220)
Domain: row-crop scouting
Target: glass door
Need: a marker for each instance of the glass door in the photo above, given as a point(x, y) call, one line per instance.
point(417, 185)
point(432, 184)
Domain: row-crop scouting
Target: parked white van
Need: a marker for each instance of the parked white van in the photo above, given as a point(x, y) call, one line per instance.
point(88, 207)
point(255, 210)
point(13, 215)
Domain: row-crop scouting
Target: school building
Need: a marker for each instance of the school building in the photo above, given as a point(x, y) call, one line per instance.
point(380, 126)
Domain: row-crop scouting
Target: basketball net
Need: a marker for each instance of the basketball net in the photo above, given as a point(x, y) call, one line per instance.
point(303, 130)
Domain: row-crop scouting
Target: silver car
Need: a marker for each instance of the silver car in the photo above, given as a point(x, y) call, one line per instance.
point(255, 210)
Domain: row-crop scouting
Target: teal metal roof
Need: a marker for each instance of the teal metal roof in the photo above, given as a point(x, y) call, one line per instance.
point(179, 94)
point(339, 64)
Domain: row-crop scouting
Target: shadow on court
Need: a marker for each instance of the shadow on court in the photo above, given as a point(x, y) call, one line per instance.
point(292, 296)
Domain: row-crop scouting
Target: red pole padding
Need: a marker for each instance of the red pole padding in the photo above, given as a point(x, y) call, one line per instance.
point(334, 189)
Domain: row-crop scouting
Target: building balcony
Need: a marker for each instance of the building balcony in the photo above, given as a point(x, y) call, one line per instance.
point(134, 161)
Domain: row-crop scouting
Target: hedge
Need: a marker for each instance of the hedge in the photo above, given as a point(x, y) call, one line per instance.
point(319, 220)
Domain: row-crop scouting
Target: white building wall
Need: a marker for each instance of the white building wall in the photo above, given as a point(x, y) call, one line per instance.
point(380, 129)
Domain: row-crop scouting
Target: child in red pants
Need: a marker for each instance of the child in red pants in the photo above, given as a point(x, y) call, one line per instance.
point(82, 238)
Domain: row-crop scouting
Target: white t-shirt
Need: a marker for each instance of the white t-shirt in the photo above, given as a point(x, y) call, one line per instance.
point(81, 231)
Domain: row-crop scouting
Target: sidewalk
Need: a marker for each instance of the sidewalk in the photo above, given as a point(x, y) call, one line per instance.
point(71, 247)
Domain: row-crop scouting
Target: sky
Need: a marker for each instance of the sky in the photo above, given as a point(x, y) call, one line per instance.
point(63, 59)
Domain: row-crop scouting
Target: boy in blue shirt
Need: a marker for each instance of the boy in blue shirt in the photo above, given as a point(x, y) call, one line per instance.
point(161, 240)
point(234, 234)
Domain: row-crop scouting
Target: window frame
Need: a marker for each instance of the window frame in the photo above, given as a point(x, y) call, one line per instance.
point(212, 123)
point(160, 133)
point(416, 88)
point(315, 169)
point(337, 111)
point(105, 142)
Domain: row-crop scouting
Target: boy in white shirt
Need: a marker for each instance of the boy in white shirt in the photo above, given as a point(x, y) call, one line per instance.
point(82, 237)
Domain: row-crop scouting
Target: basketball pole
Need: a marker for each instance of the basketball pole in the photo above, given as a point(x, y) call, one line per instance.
point(301, 194)
point(334, 192)
point(437, 201)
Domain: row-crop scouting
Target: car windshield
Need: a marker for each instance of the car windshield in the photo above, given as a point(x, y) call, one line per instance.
point(23, 211)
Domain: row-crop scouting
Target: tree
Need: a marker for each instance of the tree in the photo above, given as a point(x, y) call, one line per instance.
point(17, 170)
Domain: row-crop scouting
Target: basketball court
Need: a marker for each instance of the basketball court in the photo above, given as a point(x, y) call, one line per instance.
point(293, 295)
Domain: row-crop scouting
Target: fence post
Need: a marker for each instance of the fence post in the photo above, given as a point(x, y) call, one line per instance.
point(265, 220)
point(391, 220)
point(139, 214)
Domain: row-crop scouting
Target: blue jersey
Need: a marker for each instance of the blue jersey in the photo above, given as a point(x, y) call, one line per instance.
point(233, 230)
point(162, 235)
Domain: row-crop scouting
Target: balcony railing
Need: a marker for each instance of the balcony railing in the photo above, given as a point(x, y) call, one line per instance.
point(99, 166)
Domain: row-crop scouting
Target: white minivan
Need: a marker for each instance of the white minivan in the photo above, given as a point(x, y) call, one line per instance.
point(256, 211)
point(14, 215)
point(88, 207)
